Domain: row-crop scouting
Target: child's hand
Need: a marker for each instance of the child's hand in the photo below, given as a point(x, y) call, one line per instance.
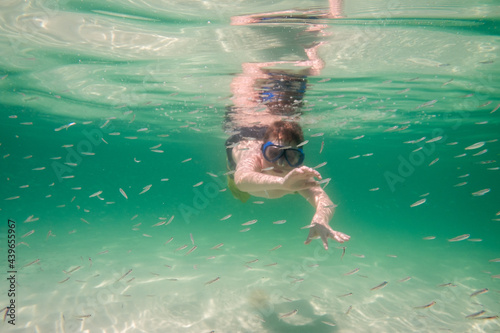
point(324, 231)
point(300, 179)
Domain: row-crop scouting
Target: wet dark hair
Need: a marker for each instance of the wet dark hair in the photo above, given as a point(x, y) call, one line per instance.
point(287, 131)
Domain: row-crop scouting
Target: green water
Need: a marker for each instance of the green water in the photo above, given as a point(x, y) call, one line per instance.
point(90, 90)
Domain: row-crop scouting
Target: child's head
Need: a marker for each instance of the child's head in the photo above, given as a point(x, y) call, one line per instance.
point(279, 146)
point(289, 133)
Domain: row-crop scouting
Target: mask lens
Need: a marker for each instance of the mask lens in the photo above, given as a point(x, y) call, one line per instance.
point(294, 157)
point(272, 153)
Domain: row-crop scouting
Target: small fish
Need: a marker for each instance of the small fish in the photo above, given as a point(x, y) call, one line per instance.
point(198, 184)
point(434, 161)
point(275, 248)
point(191, 250)
point(251, 261)
point(402, 91)
point(358, 255)
point(250, 222)
point(320, 165)
point(316, 135)
point(123, 193)
point(425, 306)
point(28, 233)
point(326, 180)
point(475, 314)
point(180, 248)
point(348, 309)
point(159, 224)
point(496, 108)
point(343, 253)
point(73, 270)
point(147, 235)
point(418, 203)
point(322, 146)
point(449, 284)
point(426, 104)
point(95, 194)
point(279, 222)
point(145, 189)
point(31, 263)
point(217, 246)
point(437, 138)
point(212, 281)
point(494, 260)
point(481, 192)
point(66, 279)
point(289, 314)
point(429, 238)
point(352, 272)
point(245, 230)
point(302, 143)
point(487, 317)
point(459, 238)
point(447, 82)
point(187, 160)
point(405, 279)
point(479, 292)
point(345, 295)
point(103, 252)
point(380, 286)
point(475, 146)
point(328, 323)
point(226, 217)
point(168, 241)
point(129, 271)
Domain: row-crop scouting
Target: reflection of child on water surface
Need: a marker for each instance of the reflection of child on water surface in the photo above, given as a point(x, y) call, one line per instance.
point(266, 152)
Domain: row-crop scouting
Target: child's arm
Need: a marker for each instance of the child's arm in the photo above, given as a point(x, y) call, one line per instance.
point(319, 227)
point(250, 178)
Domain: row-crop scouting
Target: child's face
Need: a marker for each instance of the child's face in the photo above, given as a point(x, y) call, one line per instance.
point(280, 167)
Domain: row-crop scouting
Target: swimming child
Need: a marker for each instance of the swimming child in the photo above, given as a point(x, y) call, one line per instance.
point(267, 162)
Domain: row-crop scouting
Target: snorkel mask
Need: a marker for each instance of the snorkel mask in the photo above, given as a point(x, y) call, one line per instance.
point(273, 152)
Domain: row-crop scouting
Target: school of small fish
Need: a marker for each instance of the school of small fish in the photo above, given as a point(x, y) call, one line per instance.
point(174, 252)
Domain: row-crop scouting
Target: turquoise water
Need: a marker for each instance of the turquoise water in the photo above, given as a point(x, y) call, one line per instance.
point(129, 96)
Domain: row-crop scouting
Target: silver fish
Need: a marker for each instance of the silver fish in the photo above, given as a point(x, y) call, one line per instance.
point(249, 222)
point(459, 238)
point(479, 292)
point(289, 314)
point(425, 306)
point(191, 250)
point(475, 314)
point(352, 272)
point(212, 281)
point(380, 286)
